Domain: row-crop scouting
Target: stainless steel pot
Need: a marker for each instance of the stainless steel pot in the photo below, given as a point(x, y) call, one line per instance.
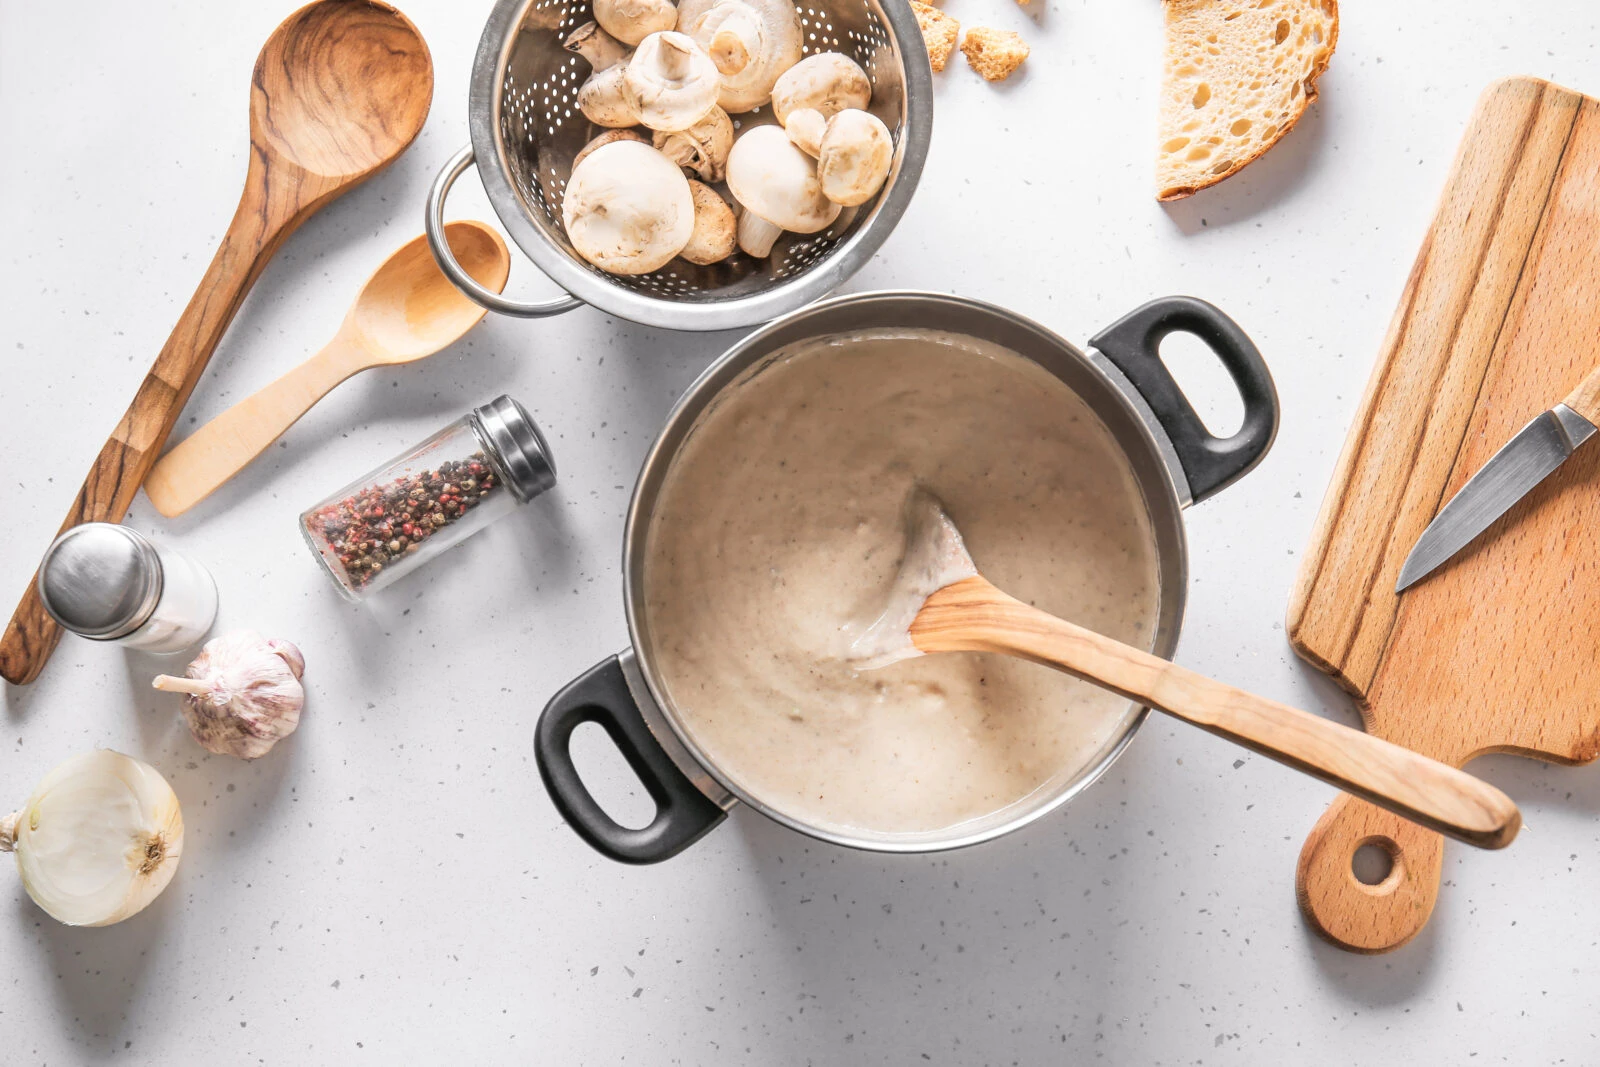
point(1176, 461)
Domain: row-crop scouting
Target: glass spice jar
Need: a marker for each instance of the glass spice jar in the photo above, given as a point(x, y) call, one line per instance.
point(429, 499)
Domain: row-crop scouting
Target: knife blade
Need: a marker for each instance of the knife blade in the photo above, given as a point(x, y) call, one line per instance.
point(1530, 457)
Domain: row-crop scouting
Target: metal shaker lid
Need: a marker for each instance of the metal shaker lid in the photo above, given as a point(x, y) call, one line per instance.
point(100, 580)
point(518, 445)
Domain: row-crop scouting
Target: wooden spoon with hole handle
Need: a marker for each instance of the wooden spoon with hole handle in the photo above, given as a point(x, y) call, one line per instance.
point(408, 310)
point(940, 603)
point(972, 615)
point(339, 90)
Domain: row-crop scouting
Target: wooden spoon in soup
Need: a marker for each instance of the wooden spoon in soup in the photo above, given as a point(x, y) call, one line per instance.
point(941, 603)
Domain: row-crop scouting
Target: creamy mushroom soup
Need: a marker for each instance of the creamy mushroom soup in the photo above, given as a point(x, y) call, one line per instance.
point(781, 520)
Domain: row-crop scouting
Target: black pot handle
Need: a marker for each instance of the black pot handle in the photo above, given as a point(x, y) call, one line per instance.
point(1133, 344)
point(683, 813)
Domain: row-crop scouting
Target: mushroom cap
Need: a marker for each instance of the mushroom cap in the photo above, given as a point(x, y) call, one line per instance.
point(828, 82)
point(703, 147)
point(631, 21)
point(776, 181)
point(805, 128)
point(715, 227)
point(752, 43)
point(670, 82)
point(602, 100)
point(598, 47)
point(854, 157)
point(604, 139)
point(628, 209)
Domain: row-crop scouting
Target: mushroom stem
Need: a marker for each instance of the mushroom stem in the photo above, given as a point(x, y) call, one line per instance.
point(757, 235)
point(676, 60)
point(169, 684)
point(729, 51)
point(847, 215)
point(8, 831)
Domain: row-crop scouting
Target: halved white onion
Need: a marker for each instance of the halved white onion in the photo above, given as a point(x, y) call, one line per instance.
point(99, 839)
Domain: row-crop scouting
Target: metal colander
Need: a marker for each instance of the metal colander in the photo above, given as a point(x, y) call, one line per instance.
point(526, 128)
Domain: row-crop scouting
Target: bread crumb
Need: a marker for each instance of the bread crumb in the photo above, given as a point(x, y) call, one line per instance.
point(996, 54)
point(939, 32)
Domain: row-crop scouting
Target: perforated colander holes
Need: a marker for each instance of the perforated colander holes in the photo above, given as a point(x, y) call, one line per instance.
point(803, 254)
point(817, 32)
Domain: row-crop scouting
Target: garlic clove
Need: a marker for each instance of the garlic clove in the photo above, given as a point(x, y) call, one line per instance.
point(98, 840)
point(289, 653)
point(242, 693)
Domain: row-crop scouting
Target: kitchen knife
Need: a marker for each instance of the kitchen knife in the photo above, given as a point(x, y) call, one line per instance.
point(1511, 473)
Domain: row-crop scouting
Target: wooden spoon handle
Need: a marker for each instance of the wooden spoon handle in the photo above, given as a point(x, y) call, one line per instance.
point(972, 615)
point(201, 462)
point(259, 227)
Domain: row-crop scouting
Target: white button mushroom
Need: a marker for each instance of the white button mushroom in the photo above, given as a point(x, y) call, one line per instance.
point(631, 21)
point(805, 128)
point(609, 137)
point(703, 147)
point(602, 100)
point(597, 46)
point(777, 186)
point(751, 42)
point(670, 83)
point(715, 227)
point(827, 82)
point(628, 209)
point(853, 151)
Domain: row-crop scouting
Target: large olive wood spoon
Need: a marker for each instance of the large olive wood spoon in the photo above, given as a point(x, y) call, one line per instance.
point(941, 603)
point(339, 90)
point(407, 311)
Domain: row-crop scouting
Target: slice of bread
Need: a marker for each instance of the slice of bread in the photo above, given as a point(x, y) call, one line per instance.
point(1239, 74)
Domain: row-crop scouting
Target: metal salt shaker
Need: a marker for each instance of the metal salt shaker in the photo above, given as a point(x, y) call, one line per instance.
point(106, 582)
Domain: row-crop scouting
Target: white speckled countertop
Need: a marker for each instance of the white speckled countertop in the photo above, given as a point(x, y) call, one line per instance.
point(392, 885)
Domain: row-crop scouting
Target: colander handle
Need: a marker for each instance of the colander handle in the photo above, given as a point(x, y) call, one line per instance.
point(479, 294)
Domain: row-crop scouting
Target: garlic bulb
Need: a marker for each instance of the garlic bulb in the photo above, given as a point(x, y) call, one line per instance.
point(243, 693)
point(99, 839)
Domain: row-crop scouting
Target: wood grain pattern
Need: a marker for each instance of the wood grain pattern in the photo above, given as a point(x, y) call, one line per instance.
point(408, 310)
point(973, 616)
point(1495, 652)
point(1585, 399)
point(340, 89)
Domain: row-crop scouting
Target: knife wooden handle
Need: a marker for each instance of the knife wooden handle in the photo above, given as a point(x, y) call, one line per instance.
point(1585, 399)
point(259, 227)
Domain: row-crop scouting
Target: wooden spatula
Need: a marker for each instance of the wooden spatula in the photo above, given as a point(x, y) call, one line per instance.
point(960, 611)
point(340, 89)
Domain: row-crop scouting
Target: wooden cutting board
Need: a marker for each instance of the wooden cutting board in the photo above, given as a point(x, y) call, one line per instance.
point(1496, 652)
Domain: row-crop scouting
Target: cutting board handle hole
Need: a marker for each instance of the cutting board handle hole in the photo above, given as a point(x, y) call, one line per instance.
point(1205, 381)
point(1375, 865)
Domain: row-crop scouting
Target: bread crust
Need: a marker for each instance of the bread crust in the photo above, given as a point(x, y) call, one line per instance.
point(1308, 96)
